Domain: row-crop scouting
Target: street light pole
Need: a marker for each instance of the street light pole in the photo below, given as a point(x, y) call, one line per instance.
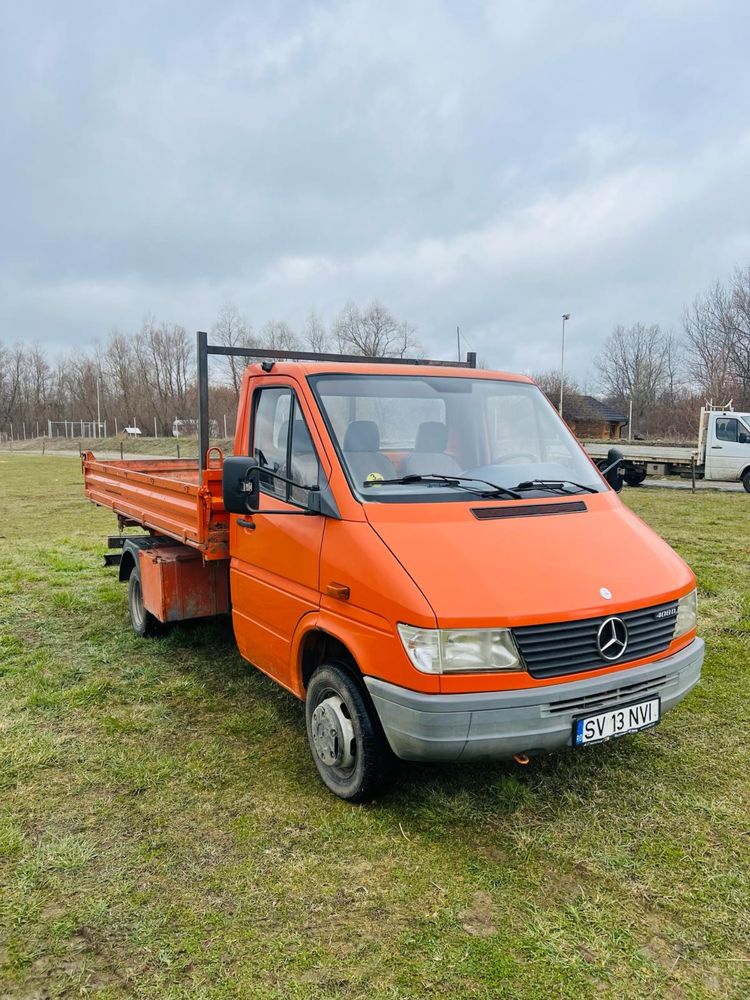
point(565, 318)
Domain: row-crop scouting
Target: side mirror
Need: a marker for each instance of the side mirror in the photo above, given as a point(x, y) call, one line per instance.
point(241, 481)
point(613, 471)
point(239, 484)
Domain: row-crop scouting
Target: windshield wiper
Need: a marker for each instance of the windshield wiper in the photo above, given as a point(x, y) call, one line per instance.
point(553, 484)
point(434, 477)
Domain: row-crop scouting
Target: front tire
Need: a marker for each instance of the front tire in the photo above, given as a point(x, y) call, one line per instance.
point(144, 623)
point(346, 739)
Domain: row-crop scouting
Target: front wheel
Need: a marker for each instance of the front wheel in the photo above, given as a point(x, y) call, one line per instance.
point(346, 739)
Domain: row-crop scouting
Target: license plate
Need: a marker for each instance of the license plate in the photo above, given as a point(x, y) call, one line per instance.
point(616, 722)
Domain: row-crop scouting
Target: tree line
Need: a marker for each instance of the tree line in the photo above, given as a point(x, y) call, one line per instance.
point(147, 378)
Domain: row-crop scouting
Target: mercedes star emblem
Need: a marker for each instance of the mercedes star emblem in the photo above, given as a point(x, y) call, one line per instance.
point(612, 638)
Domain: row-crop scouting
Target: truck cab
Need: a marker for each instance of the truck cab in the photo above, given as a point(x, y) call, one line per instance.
point(724, 445)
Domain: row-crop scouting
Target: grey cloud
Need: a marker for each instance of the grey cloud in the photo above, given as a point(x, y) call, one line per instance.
point(488, 164)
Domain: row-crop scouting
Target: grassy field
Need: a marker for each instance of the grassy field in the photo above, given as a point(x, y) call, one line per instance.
point(163, 833)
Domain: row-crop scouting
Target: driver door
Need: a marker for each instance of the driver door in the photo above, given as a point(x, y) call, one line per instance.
point(275, 566)
point(730, 448)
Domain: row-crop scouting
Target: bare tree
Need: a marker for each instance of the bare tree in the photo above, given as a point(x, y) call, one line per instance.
point(635, 365)
point(278, 336)
point(39, 375)
point(674, 365)
point(164, 362)
point(11, 379)
point(739, 323)
point(121, 374)
point(549, 383)
point(717, 333)
point(314, 333)
point(708, 336)
point(233, 330)
point(374, 332)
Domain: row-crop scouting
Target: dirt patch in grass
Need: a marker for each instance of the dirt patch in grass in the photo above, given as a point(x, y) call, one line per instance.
point(479, 919)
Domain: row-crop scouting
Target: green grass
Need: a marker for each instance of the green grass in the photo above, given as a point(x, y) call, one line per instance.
point(130, 446)
point(163, 833)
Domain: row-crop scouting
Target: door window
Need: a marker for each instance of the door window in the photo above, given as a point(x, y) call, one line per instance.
point(726, 429)
point(282, 444)
point(270, 436)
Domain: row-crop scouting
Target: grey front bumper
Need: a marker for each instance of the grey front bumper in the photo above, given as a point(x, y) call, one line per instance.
point(498, 724)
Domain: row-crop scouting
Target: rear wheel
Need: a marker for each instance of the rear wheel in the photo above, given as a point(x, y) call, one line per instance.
point(746, 480)
point(346, 739)
point(144, 623)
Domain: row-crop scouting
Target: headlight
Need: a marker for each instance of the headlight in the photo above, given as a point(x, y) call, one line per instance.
point(687, 614)
point(455, 651)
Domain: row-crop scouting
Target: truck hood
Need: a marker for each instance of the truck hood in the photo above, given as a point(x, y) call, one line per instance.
point(519, 569)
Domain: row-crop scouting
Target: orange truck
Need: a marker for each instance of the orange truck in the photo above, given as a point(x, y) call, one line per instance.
point(422, 553)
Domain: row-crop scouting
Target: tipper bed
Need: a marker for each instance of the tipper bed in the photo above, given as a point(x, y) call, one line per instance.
point(171, 497)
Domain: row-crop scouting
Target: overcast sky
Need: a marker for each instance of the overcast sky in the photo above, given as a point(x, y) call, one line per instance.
point(491, 165)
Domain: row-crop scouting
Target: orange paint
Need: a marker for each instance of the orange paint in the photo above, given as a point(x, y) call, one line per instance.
point(177, 584)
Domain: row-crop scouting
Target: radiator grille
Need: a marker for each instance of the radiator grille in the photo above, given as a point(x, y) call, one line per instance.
point(558, 648)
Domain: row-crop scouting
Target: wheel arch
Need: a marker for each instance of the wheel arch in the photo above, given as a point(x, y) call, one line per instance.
point(127, 563)
point(318, 646)
point(366, 648)
point(130, 549)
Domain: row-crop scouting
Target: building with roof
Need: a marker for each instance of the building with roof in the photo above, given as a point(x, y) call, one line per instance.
point(589, 417)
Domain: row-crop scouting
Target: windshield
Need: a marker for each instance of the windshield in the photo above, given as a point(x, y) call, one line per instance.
point(425, 429)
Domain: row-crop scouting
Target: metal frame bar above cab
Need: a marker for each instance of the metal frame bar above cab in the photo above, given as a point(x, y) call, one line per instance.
point(203, 442)
point(204, 349)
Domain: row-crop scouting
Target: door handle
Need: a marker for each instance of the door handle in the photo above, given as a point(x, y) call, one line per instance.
point(717, 447)
point(246, 524)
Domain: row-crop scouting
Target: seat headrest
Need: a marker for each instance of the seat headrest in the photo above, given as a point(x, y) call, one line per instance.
point(362, 435)
point(283, 437)
point(301, 441)
point(432, 436)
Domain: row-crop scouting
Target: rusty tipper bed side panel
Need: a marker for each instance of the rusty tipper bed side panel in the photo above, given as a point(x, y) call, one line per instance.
point(163, 495)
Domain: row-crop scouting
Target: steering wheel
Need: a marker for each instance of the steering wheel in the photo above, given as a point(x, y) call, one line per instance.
point(511, 455)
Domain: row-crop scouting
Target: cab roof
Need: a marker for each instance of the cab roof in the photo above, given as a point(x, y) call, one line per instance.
point(305, 368)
